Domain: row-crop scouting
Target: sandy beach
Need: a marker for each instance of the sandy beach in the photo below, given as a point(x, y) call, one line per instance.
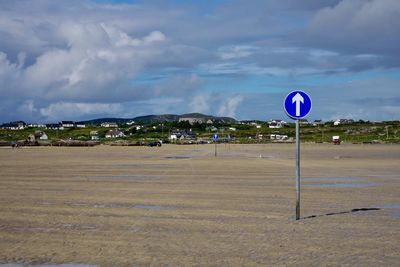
point(181, 206)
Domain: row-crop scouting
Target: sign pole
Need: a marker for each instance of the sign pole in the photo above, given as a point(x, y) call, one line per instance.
point(215, 137)
point(297, 170)
point(297, 105)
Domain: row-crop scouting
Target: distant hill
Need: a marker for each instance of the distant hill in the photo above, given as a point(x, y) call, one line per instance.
point(161, 118)
point(156, 118)
point(101, 120)
point(172, 117)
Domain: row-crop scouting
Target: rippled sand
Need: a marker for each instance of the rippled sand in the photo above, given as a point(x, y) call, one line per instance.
point(181, 206)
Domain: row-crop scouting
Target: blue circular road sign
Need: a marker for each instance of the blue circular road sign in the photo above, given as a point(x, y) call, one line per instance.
point(215, 136)
point(297, 104)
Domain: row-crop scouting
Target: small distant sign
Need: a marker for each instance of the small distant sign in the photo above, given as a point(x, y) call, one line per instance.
point(297, 104)
point(336, 140)
point(215, 136)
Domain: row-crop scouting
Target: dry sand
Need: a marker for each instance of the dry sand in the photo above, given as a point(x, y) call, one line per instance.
point(181, 206)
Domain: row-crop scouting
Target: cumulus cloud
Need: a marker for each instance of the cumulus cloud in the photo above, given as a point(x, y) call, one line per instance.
point(92, 57)
point(73, 110)
point(136, 56)
point(178, 86)
point(234, 52)
point(372, 98)
point(28, 109)
point(358, 26)
point(229, 106)
point(9, 72)
point(96, 61)
point(200, 103)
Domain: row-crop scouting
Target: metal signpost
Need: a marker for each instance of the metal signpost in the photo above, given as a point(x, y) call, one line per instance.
point(297, 105)
point(215, 137)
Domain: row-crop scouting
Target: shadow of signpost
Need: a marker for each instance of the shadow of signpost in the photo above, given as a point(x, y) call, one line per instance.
point(341, 212)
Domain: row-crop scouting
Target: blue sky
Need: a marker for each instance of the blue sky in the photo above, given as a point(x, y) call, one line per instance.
point(77, 60)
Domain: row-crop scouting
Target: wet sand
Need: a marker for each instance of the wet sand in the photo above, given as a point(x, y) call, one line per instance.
point(181, 206)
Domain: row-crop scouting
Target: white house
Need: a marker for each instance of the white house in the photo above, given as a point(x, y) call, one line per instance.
point(67, 124)
point(191, 120)
point(94, 135)
point(276, 124)
point(54, 126)
point(38, 135)
point(44, 136)
point(115, 134)
point(278, 137)
point(342, 121)
point(109, 125)
point(182, 135)
point(36, 125)
point(17, 125)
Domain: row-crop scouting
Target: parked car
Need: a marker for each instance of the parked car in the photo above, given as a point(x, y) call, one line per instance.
point(156, 143)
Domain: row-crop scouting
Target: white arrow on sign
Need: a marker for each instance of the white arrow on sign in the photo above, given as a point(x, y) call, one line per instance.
point(298, 98)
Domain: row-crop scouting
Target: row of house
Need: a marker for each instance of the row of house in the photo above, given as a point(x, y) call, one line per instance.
point(16, 125)
point(20, 125)
point(182, 134)
point(114, 133)
point(196, 120)
point(273, 124)
point(65, 125)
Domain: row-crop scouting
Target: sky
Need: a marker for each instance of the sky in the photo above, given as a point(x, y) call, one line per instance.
point(86, 59)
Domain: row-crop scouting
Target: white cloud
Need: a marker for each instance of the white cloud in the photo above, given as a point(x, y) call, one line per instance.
point(98, 65)
point(229, 106)
point(10, 75)
point(66, 110)
point(358, 26)
point(392, 112)
point(200, 103)
point(160, 105)
point(234, 52)
point(123, 39)
point(28, 109)
point(88, 52)
point(94, 57)
point(178, 86)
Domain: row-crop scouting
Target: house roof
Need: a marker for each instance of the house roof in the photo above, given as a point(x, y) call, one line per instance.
point(52, 125)
point(39, 134)
point(11, 125)
point(114, 132)
point(19, 122)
